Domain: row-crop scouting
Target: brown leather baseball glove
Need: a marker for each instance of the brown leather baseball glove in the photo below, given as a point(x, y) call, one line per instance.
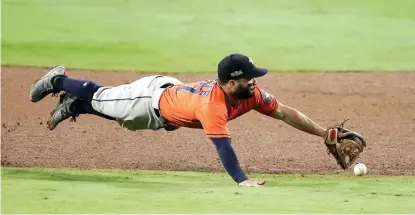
point(344, 145)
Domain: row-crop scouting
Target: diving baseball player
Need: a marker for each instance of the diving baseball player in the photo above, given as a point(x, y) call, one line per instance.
point(161, 102)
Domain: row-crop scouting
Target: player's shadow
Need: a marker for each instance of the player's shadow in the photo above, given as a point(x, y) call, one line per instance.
point(81, 176)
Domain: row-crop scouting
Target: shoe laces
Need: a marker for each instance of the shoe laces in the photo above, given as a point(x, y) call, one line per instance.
point(73, 118)
point(72, 113)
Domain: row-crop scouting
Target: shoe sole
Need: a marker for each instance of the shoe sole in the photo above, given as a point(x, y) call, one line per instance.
point(50, 126)
point(49, 74)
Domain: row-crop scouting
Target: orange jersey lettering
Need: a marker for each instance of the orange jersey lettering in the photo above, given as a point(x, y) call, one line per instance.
point(204, 105)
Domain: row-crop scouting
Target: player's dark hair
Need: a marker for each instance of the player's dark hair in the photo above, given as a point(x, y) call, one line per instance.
point(224, 82)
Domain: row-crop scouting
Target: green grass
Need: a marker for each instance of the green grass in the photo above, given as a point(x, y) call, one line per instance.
point(193, 35)
point(116, 191)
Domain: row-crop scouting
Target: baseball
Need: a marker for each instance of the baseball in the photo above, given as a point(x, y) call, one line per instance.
point(360, 169)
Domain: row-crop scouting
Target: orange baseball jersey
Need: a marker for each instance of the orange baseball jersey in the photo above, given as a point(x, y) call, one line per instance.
point(204, 105)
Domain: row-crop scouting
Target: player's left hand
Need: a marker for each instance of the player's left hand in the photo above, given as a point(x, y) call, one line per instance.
point(252, 183)
point(344, 145)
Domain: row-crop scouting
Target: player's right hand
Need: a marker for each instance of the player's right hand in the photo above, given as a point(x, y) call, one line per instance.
point(252, 183)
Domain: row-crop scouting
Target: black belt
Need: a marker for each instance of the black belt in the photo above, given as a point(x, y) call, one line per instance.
point(166, 124)
point(166, 85)
point(157, 112)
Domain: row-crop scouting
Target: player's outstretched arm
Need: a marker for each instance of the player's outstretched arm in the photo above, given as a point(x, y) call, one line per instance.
point(298, 120)
point(231, 164)
point(213, 118)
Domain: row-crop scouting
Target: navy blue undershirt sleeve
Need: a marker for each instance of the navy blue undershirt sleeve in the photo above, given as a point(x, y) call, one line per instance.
point(229, 160)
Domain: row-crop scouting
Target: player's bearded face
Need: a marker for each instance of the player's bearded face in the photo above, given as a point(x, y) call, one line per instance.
point(245, 88)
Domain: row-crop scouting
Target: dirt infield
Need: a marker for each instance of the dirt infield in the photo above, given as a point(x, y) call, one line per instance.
point(381, 106)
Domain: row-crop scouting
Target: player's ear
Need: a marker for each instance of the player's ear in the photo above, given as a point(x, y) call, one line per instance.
point(232, 83)
point(255, 82)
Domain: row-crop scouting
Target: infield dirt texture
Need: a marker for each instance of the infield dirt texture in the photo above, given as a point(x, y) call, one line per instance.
point(379, 105)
